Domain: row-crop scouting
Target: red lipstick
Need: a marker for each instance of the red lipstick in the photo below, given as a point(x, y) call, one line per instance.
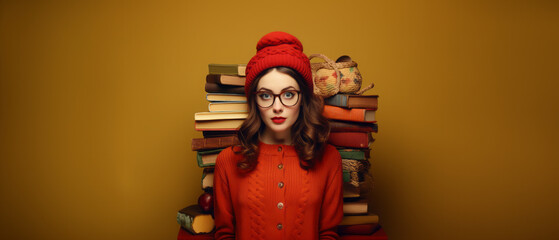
point(278, 120)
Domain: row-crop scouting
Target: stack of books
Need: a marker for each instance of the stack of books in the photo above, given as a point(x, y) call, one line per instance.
point(352, 122)
point(227, 109)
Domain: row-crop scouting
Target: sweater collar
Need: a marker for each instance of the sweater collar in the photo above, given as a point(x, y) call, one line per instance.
point(277, 149)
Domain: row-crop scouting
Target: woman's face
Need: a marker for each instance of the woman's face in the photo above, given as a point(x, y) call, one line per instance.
point(278, 117)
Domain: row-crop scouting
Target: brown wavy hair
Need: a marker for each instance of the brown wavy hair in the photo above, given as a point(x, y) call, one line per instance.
point(309, 133)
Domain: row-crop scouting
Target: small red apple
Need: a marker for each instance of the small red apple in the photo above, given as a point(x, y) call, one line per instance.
point(206, 202)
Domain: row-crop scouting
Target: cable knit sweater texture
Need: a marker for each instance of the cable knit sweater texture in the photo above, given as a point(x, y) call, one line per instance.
point(278, 199)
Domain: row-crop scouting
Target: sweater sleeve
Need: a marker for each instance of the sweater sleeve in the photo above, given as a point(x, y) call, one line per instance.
point(331, 213)
point(223, 207)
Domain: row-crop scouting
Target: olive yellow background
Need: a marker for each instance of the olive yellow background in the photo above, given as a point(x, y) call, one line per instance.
point(98, 99)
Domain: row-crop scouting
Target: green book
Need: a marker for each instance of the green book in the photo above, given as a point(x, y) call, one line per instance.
point(207, 158)
point(227, 69)
point(355, 154)
point(193, 219)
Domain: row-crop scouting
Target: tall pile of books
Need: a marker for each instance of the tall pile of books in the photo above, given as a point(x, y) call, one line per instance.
point(352, 122)
point(227, 109)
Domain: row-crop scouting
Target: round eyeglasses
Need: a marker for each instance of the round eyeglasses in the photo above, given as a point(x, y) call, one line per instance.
point(288, 98)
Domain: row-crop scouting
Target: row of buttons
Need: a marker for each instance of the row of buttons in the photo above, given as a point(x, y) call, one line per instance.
point(280, 185)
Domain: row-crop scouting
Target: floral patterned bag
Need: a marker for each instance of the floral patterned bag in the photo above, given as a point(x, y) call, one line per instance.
point(332, 77)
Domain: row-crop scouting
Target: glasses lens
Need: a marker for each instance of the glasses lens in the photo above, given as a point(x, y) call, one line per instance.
point(289, 98)
point(264, 99)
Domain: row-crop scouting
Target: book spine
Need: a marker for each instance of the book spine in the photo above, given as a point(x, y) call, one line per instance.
point(349, 139)
point(355, 115)
point(359, 207)
point(228, 107)
point(363, 101)
point(227, 69)
point(337, 126)
point(214, 97)
point(217, 88)
point(212, 143)
point(364, 219)
point(212, 78)
point(358, 229)
point(355, 155)
point(202, 125)
point(339, 100)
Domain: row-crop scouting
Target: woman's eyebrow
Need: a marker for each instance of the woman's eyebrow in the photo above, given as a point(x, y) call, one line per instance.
point(287, 88)
point(264, 89)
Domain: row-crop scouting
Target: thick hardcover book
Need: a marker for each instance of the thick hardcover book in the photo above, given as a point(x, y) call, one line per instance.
point(350, 139)
point(194, 220)
point(207, 158)
point(352, 153)
point(350, 191)
point(227, 69)
point(218, 125)
point(211, 134)
point(226, 79)
point(353, 101)
point(206, 116)
point(228, 107)
point(226, 97)
point(359, 219)
point(218, 88)
point(358, 207)
point(185, 235)
point(199, 144)
point(378, 235)
point(358, 229)
point(344, 126)
point(353, 114)
point(207, 179)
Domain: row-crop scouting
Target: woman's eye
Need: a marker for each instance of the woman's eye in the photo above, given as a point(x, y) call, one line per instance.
point(265, 96)
point(288, 94)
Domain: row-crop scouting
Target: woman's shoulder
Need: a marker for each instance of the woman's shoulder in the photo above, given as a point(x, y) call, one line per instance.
point(332, 155)
point(330, 150)
point(229, 156)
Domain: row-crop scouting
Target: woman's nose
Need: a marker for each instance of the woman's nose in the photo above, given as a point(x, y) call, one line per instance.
point(277, 106)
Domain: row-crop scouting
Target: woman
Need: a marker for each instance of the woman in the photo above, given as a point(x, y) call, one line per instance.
point(283, 181)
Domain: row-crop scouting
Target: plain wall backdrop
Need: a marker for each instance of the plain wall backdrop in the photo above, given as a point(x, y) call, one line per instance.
point(98, 100)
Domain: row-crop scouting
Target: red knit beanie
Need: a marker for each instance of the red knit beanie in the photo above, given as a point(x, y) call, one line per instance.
point(279, 49)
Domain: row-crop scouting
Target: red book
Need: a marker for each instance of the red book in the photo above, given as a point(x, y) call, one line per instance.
point(343, 126)
point(200, 144)
point(185, 235)
point(353, 114)
point(350, 139)
point(358, 229)
point(378, 235)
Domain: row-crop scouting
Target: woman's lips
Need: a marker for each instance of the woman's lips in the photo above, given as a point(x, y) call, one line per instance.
point(278, 120)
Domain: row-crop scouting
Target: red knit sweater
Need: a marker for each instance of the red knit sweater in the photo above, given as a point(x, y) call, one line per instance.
point(278, 199)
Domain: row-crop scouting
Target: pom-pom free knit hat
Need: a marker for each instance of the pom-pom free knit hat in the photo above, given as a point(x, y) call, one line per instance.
point(279, 49)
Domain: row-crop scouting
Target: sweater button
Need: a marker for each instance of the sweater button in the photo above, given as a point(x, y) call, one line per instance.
point(279, 149)
point(280, 205)
point(280, 184)
point(279, 226)
point(280, 166)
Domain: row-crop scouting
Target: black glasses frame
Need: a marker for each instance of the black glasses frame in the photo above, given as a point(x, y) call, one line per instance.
point(278, 96)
